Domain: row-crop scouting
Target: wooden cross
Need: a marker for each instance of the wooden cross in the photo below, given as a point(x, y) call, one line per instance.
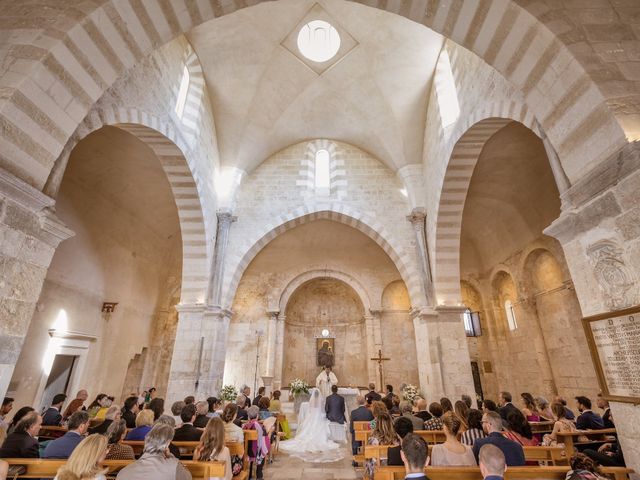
point(380, 359)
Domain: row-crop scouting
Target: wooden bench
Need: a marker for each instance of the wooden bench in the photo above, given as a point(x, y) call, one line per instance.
point(50, 432)
point(41, 468)
point(473, 473)
point(430, 436)
point(542, 427)
point(550, 455)
point(596, 438)
point(358, 436)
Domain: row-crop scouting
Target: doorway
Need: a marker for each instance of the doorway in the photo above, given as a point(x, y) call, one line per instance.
point(59, 379)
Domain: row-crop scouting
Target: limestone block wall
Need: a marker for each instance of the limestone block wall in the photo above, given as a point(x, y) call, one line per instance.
point(534, 357)
point(114, 256)
point(277, 194)
point(318, 249)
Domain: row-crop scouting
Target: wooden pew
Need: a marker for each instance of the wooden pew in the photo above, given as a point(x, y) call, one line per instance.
point(41, 468)
point(542, 427)
point(430, 436)
point(50, 433)
point(596, 437)
point(550, 455)
point(512, 473)
point(358, 428)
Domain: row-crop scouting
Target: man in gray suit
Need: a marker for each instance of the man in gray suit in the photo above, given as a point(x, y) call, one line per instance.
point(334, 407)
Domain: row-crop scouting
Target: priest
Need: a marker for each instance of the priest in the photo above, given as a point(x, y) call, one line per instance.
point(325, 380)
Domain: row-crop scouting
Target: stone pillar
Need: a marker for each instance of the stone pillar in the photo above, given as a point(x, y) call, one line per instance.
point(216, 276)
point(272, 340)
point(29, 236)
point(279, 352)
point(215, 330)
point(444, 364)
point(374, 343)
point(188, 357)
point(601, 241)
point(559, 175)
point(417, 219)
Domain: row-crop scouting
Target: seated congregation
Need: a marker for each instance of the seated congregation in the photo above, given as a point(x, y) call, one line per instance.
point(455, 434)
point(139, 440)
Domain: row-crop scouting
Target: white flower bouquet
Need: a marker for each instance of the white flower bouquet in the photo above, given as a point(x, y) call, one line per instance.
point(410, 392)
point(298, 386)
point(229, 393)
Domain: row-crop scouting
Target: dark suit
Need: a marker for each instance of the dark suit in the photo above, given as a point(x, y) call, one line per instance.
point(393, 456)
point(129, 417)
point(19, 445)
point(606, 419)
point(612, 458)
point(187, 433)
point(52, 417)
point(201, 421)
point(507, 409)
point(360, 414)
point(256, 400)
point(62, 447)
point(334, 408)
point(372, 396)
point(421, 477)
point(424, 416)
point(513, 453)
point(102, 428)
point(589, 420)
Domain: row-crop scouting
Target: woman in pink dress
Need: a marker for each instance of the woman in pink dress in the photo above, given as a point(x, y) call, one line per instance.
point(519, 430)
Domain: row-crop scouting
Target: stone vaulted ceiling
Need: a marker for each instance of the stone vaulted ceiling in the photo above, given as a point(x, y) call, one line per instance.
point(265, 98)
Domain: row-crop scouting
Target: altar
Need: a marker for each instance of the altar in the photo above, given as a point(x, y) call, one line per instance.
point(350, 399)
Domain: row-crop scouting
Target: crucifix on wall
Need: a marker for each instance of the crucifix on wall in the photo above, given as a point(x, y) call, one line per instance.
point(380, 359)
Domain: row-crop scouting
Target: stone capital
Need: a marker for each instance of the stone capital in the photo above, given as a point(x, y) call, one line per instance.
point(417, 217)
point(190, 307)
point(217, 312)
point(273, 313)
point(20, 192)
point(53, 227)
point(225, 216)
point(424, 313)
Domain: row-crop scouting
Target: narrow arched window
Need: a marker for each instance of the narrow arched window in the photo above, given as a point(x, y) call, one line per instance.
point(182, 92)
point(511, 315)
point(446, 91)
point(322, 172)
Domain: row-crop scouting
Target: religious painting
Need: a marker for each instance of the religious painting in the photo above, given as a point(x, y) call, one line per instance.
point(325, 353)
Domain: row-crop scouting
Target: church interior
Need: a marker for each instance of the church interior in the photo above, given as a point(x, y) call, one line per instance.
point(197, 194)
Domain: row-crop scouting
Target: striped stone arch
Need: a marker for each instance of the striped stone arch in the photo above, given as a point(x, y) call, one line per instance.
point(405, 264)
point(164, 141)
point(306, 277)
point(455, 186)
point(193, 108)
point(63, 66)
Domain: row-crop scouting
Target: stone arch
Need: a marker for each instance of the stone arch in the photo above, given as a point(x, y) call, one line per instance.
point(306, 277)
point(393, 295)
point(455, 186)
point(195, 93)
point(336, 212)
point(91, 48)
point(538, 277)
point(165, 143)
point(338, 177)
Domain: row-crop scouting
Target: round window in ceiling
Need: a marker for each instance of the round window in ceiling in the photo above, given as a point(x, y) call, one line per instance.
point(318, 41)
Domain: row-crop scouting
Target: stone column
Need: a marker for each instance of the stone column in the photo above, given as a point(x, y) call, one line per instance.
point(562, 181)
point(374, 343)
point(601, 241)
point(417, 219)
point(444, 364)
point(272, 334)
point(215, 330)
point(216, 276)
point(29, 236)
point(188, 357)
point(279, 352)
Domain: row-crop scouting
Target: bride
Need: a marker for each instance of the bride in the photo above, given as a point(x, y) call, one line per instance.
point(312, 442)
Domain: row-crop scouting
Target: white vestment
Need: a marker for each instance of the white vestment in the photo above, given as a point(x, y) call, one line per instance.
point(325, 381)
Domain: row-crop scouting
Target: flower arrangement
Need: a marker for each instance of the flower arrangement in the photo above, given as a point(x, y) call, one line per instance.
point(298, 386)
point(410, 392)
point(228, 393)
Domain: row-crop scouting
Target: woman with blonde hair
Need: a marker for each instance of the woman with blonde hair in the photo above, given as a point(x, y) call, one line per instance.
point(84, 462)
point(144, 422)
point(212, 448)
point(377, 409)
point(452, 452)
point(462, 412)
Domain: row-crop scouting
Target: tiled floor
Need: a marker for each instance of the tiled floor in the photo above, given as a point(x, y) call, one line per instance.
point(285, 467)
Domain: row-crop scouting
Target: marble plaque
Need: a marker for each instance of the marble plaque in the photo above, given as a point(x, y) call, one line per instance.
point(614, 340)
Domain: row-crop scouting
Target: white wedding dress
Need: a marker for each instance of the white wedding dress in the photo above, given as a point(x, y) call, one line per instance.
point(312, 442)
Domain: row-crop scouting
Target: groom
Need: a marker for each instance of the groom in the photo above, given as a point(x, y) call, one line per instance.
point(334, 407)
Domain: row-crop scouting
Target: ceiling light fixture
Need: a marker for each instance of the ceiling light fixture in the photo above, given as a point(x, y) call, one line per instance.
point(318, 41)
